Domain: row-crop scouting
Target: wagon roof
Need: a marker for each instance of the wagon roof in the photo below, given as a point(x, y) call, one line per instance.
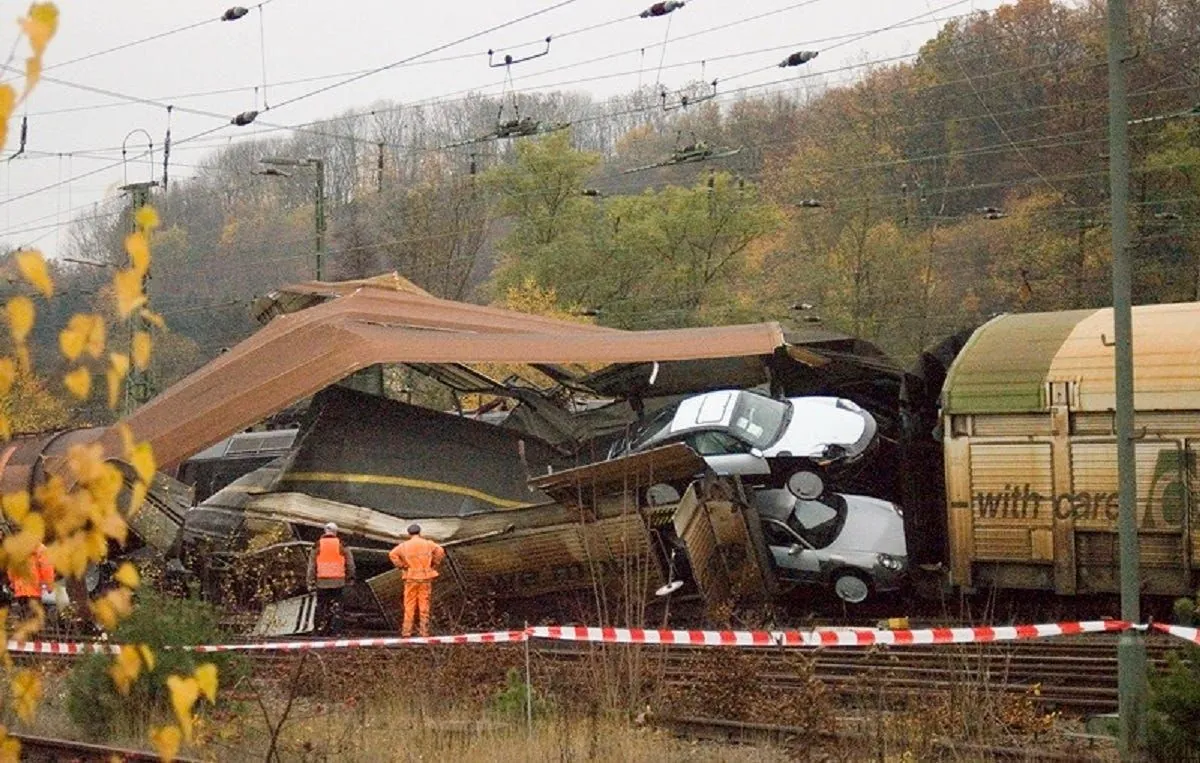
point(1008, 363)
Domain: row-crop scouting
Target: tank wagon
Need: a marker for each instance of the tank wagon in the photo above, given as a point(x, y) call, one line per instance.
point(1027, 428)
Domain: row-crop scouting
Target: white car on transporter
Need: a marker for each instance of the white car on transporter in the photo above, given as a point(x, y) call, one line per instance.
point(763, 440)
point(853, 544)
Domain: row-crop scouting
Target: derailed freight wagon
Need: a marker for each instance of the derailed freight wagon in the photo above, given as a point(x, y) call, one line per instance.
point(1030, 452)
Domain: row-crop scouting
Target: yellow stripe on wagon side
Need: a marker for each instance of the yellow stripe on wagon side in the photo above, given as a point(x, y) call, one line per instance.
point(384, 479)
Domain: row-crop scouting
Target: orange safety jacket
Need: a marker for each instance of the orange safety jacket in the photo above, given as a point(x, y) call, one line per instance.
point(331, 560)
point(38, 572)
point(418, 557)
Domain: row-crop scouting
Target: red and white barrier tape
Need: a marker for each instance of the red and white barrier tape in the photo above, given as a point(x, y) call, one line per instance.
point(495, 637)
point(824, 637)
point(827, 637)
point(1187, 634)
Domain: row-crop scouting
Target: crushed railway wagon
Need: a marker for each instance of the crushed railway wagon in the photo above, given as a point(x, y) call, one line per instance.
point(1030, 452)
point(603, 529)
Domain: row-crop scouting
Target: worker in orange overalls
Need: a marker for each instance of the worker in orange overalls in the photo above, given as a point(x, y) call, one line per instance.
point(419, 558)
point(330, 570)
point(28, 583)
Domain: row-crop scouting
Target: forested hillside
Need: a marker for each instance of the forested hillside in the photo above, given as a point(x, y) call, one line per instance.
point(898, 201)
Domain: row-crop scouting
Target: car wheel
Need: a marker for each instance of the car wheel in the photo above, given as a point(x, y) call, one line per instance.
point(806, 485)
point(851, 588)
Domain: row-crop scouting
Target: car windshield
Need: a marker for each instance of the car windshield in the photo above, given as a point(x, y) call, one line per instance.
point(759, 420)
point(819, 522)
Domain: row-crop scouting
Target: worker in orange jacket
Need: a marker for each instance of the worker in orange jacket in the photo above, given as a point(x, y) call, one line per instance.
point(28, 583)
point(419, 558)
point(330, 570)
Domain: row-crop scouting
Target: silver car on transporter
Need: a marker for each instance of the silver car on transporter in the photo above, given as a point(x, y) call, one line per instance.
point(853, 544)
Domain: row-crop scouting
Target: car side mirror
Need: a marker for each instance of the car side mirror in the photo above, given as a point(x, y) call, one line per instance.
point(756, 452)
point(795, 549)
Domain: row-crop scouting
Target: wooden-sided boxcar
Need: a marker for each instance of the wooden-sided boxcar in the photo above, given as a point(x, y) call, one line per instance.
point(1030, 452)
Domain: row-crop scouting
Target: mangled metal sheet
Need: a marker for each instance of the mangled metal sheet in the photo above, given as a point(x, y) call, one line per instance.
point(297, 354)
point(407, 461)
point(586, 485)
point(535, 562)
point(287, 617)
point(716, 532)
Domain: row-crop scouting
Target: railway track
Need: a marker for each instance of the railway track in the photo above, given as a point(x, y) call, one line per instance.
point(1076, 675)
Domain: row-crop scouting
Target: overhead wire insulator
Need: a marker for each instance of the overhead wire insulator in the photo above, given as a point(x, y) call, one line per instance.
point(661, 9)
point(24, 136)
point(245, 118)
point(509, 60)
point(686, 100)
point(798, 58)
point(234, 13)
point(167, 147)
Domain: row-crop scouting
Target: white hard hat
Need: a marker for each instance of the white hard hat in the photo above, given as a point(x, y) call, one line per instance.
point(331, 528)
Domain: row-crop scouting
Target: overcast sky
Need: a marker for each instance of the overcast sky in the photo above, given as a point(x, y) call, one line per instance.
point(73, 131)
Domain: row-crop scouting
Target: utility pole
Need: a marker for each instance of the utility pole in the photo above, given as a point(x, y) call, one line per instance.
point(379, 169)
point(320, 213)
point(319, 205)
point(139, 387)
point(1131, 649)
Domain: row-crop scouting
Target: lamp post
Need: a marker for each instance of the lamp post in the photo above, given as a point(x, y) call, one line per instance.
point(319, 218)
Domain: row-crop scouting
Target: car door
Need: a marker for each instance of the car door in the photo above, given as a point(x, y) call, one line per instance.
point(794, 558)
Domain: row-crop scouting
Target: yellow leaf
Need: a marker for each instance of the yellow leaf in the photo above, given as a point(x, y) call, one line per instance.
point(119, 362)
point(40, 25)
point(137, 498)
point(5, 428)
point(138, 248)
point(71, 339)
point(96, 337)
point(8, 374)
point(33, 72)
point(110, 608)
point(33, 269)
point(117, 370)
point(153, 318)
point(8, 99)
point(184, 693)
point(127, 575)
point(206, 678)
point(26, 693)
point(128, 287)
point(166, 741)
point(146, 218)
point(16, 505)
point(113, 526)
point(79, 382)
point(86, 462)
point(20, 317)
point(83, 332)
point(142, 461)
point(141, 350)
point(148, 657)
point(125, 668)
point(10, 750)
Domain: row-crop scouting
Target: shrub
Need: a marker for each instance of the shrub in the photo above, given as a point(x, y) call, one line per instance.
point(1174, 718)
point(510, 701)
point(93, 702)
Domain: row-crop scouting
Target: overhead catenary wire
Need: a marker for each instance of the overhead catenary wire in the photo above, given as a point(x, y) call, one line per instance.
point(562, 3)
point(982, 116)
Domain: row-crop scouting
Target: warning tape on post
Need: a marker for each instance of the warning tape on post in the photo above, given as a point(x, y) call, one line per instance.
point(1180, 631)
point(821, 637)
